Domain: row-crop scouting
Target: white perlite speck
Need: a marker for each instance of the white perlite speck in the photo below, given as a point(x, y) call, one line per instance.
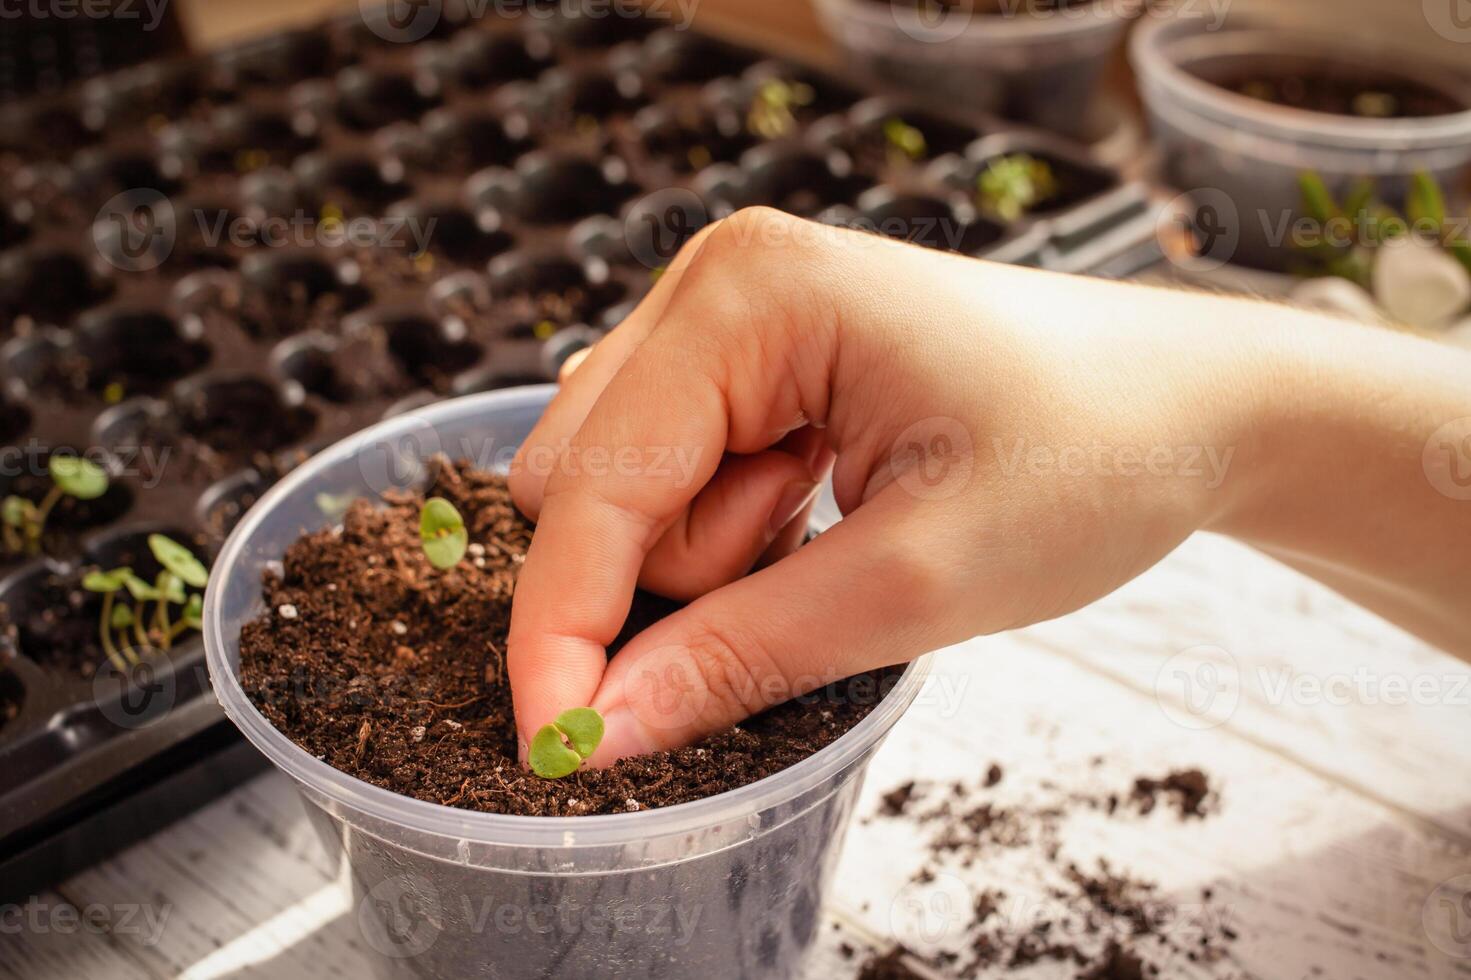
point(399, 629)
point(476, 549)
point(287, 611)
point(417, 733)
point(633, 804)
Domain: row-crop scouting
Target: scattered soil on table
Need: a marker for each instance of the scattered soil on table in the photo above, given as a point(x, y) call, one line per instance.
point(1097, 919)
point(1366, 98)
point(393, 671)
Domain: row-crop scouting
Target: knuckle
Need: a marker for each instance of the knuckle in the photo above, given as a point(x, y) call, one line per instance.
point(734, 670)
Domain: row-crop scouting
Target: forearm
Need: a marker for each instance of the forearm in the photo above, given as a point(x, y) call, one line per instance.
point(1347, 469)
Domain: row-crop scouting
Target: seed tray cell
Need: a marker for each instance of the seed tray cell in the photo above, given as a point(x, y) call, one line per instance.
point(212, 267)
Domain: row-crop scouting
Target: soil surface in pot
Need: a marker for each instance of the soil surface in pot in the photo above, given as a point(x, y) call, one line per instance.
point(393, 671)
point(1363, 96)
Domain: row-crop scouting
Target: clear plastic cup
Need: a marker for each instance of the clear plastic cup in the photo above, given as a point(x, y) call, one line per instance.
point(1245, 156)
point(732, 885)
point(1042, 68)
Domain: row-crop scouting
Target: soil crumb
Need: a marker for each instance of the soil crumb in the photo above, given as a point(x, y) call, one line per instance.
point(393, 671)
point(1087, 916)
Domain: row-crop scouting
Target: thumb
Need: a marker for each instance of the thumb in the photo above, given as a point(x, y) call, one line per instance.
point(864, 595)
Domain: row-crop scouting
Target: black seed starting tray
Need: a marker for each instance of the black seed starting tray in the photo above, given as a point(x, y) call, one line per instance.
point(213, 266)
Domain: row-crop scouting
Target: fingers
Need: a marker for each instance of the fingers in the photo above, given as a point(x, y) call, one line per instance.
point(753, 371)
point(734, 520)
point(822, 614)
point(584, 381)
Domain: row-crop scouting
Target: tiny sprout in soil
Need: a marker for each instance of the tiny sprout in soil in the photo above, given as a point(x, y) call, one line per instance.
point(1011, 186)
point(23, 522)
point(560, 748)
point(905, 142)
point(442, 533)
point(127, 631)
point(772, 113)
point(1368, 222)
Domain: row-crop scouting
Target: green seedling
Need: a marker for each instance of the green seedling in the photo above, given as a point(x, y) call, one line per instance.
point(128, 630)
point(1011, 186)
point(442, 533)
point(773, 110)
point(124, 629)
point(23, 523)
point(1362, 222)
point(905, 142)
point(115, 618)
point(561, 748)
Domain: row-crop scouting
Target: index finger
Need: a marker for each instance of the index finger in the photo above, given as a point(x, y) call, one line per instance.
point(650, 443)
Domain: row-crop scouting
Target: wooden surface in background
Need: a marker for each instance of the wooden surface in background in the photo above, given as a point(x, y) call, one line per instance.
point(788, 24)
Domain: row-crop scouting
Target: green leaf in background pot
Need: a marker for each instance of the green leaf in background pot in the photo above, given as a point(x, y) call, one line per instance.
point(169, 587)
point(78, 477)
point(121, 618)
point(583, 728)
point(1317, 199)
point(550, 758)
point(179, 560)
point(1425, 202)
point(442, 533)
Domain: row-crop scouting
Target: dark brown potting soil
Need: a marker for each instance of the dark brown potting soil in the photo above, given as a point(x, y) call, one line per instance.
point(393, 671)
point(1367, 98)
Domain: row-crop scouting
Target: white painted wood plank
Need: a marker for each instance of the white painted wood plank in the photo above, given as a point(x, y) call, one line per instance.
point(50, 938)
point(1311, 874)
point(1317, 678)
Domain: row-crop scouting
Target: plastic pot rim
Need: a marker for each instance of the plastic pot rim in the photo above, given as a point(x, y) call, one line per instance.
point(1165, 80)
point(435, 819)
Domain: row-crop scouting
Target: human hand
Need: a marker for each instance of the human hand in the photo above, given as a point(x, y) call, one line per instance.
point(939, 384)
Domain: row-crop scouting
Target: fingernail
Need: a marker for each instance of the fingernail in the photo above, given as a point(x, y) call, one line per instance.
point(795, 497)
point(623, 737)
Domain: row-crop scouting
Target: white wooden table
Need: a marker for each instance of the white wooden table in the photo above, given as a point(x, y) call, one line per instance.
point(1343, 814)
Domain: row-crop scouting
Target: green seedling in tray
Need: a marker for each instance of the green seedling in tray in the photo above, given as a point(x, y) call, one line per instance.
point(129, 631)
point(23, 522)
point(1011, 186)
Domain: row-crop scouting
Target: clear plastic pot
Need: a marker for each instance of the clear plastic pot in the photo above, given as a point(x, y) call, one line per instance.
point(728, 886)
point(1040, 68)
point(1245, 156)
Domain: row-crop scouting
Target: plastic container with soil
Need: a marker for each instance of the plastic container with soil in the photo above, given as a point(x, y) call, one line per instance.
point(1228, 110)
point(1036, 63)
point(729, 885)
